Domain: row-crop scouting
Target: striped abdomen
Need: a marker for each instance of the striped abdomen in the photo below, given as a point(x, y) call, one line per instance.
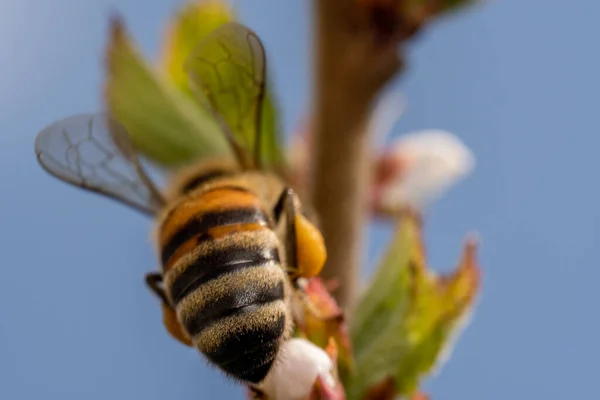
point(223, 276)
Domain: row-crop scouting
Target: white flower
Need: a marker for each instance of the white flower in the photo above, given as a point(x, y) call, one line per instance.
point(419, 167)
point(295, 371)
point(386, 115)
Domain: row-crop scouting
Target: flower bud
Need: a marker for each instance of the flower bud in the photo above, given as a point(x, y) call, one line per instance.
point(418, 168)
point(296, 370)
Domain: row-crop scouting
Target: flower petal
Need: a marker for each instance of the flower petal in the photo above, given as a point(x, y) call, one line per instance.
point(388, 111)
point(294, 373)
point(417, 169)
point(322, 320)
point(298, 154)
point(324, 391)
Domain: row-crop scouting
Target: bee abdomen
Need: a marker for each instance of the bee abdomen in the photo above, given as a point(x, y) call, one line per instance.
point(230, 301)
point(199, 227)
point(250, 354)
point(241, 332)
point(216, 263)
point(242, 303)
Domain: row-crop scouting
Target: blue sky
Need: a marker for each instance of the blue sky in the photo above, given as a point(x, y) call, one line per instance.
point(517, 81)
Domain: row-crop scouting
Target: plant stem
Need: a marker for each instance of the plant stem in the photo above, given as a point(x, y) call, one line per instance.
point(354, 60)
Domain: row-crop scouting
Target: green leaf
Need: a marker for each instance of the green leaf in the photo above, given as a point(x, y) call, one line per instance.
point(408, 315)
point(387, 291)
point(193, 21)
point(382, 310)
point(164, 124)
point(228, 75)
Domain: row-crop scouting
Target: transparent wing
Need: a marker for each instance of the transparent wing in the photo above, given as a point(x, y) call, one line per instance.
point(227, 72)
point(95, 153)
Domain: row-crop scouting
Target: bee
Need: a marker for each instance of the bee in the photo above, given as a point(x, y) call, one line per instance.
point(231, 236)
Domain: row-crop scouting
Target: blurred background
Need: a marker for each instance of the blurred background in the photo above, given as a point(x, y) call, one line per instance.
point(516, 81)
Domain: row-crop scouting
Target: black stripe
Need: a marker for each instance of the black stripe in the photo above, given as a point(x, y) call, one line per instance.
point(228, 187)
point(244, 301)
point(217, 263)
point(209, 220)
point(196, 181)
point(248, 355)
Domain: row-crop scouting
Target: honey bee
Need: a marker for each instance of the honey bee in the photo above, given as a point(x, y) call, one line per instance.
point(231, 237)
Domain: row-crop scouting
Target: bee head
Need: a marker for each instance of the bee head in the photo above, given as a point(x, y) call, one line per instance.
point(196, 175)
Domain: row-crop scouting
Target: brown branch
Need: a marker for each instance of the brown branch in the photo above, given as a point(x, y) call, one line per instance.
point(356, 55)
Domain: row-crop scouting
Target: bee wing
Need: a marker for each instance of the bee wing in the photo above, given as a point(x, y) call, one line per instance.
point(227, 72)
point(94, 152)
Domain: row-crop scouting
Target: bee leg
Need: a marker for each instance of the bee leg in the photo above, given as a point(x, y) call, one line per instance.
point(154, 280)
point(286, 203)
point(304, 244)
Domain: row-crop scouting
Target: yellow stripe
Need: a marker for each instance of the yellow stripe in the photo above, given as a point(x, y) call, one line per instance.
point(213, 233)
point(213, 201)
